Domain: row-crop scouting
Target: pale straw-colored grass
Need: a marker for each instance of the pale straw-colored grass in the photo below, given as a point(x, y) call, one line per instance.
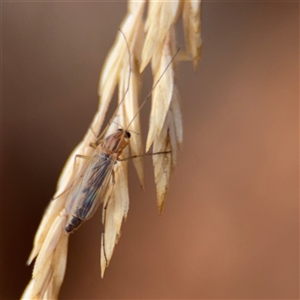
point(153, 40)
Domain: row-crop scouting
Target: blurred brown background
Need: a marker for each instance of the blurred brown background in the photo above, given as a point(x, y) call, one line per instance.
point(230, 228)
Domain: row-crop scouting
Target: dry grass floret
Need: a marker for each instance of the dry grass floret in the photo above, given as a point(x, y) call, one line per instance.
point(153, 42)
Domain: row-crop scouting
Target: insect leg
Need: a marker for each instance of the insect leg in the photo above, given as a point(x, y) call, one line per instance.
point(98, 140)
point(93, 145)
point(74, 167)
point(79, 156)
point(93, 132)
point(146, 154)
point(105, 205)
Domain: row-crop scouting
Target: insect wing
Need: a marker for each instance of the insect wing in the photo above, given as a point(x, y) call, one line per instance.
point(90, 187)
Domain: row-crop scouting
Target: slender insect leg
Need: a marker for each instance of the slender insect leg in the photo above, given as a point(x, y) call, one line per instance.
point(98, 141)
point(103, 232)
point(146, 154)
point(93, 132)
point(96, 144)
point(74, 167)
point(113, 177)
point(62, 193)
point(104, 218)
point(79, 156)
point(93, 145)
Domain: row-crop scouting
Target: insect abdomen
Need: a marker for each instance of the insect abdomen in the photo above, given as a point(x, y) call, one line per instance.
point(73, 223)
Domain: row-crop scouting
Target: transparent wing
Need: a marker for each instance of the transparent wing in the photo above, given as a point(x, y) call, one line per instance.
point(90, 187)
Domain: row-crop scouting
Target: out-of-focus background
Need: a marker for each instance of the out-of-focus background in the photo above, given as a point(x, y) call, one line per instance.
point(230, 227)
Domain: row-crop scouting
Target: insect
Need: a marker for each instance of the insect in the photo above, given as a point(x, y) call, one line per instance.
point(92, 185)
point(95, 182)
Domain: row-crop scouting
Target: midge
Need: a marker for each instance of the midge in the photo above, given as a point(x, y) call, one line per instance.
point(90, 188)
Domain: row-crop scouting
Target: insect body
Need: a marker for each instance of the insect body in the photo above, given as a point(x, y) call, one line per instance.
point(90, 188)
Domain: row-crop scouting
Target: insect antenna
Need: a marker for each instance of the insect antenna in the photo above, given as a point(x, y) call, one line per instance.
point(126, 91)
point(154, 86)
point(133, 132)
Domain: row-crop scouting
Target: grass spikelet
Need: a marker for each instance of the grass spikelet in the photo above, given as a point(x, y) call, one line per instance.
point(192, 27)
point(140, 42)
